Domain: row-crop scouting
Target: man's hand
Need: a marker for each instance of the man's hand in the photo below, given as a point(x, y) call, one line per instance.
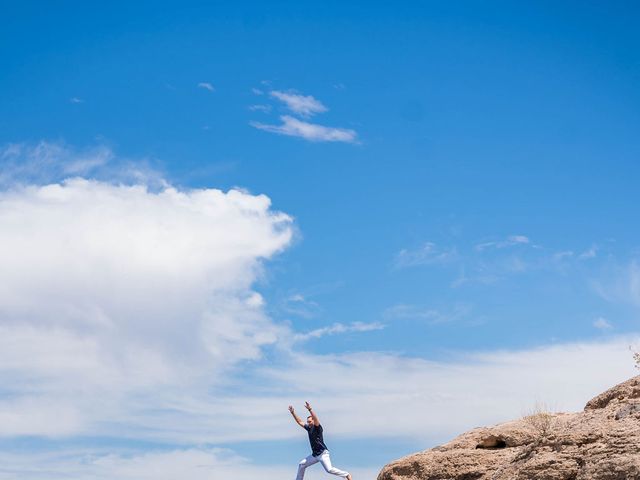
point(295, 417)
point(316, 422)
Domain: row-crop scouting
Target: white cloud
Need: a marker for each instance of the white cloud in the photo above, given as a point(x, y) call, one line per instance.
point(309, 131)
point(76, 100)
point(191, 463)
point(207, 86)
point(257, 91)
point(260, 108)
point(300, 306)
point(123, 309)
point(621, 284)
point(153, 291)
point(462, 392)
point(510, 241)
point(337, 328)
point(591, 252)
point(481, 388)
point(602, 323)
point(430, 315)
point(428, 254)
point(634, 282)
point(46, 162)
point(304, 105)
point(560, 256)
point(114, 298)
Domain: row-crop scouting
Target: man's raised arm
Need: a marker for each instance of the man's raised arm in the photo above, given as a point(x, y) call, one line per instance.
point(314, 417)
point(296, 417)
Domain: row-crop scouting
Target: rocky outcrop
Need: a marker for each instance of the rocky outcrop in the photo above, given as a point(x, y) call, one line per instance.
point(600, 443)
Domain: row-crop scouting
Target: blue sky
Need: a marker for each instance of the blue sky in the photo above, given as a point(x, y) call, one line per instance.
point(431, 194)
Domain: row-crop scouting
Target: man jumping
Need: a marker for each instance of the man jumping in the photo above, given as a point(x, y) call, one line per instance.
point(320, 452)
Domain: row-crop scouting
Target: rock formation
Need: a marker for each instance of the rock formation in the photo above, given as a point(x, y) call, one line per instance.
point(600, 443)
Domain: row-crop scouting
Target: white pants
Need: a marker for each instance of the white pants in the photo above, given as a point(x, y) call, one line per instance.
point(324, 459)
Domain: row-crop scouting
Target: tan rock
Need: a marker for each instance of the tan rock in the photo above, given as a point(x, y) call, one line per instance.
point(600, 443)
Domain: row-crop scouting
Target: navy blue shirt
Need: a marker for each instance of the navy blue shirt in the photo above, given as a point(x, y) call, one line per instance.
point(315, 439)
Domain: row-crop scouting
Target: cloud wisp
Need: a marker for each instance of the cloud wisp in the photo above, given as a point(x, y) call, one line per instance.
point(492, 261)
point(621, 284)
point(51, 162)
point(432, 316)
point(510, 241)
point(602, 323)
point(338, 328)
point(260, 108)
point(206, 86)
point(427, 254)
point(195, 463)
point(300, 306)
point(303, 105)
point(294, 127)
point(591, 252)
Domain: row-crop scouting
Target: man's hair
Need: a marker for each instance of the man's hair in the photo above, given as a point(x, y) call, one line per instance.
point(310, 416)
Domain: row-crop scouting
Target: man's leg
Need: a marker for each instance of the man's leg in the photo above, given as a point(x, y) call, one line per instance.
point(325, 460)
point(304, 463)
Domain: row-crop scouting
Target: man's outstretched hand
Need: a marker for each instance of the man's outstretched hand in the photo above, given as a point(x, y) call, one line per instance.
point(291, 409)
point(307, 405)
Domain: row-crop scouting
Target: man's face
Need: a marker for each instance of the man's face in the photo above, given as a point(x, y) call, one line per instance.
point(309, 420)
